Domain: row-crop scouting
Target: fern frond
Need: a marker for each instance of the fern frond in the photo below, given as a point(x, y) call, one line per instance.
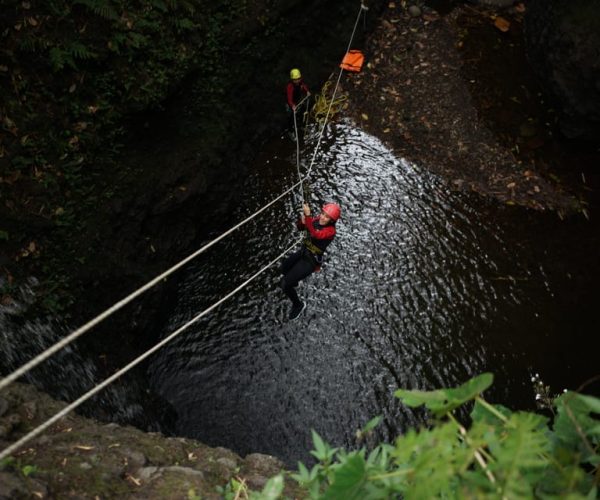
point(160, 5)
point(519, 453)
point(137, 40)
point(80, 51)
point(183, 24)
point(102, 8)
point(189, 6)
point(29, 43)
point(59, 58)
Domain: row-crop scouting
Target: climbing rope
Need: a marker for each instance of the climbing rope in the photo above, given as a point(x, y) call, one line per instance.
point(323, 103)
point(363, 8)
point(40, 428)
point(304, 191)
point(297, 137)
point(123, 302)
point(119, 305)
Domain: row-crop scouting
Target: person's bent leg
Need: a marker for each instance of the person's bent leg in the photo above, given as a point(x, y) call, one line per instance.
point(300, 270)
point(290, 261)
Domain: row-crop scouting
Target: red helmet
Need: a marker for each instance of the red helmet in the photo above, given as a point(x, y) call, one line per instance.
point(333, 210)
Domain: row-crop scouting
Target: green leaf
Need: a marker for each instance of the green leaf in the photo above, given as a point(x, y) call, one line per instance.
point(7, 462)
point(159, 4)
point(304, 477)
point(592, 403)
point(320, 451)
point(519, 454)
point(323, 452)
point(102, 8)
point(348, 479)
point(435, 458)
point(273, 489)
point(482, 414)
point(28, 470)
point(575, 427)
point(371, 424)
point(442, 401)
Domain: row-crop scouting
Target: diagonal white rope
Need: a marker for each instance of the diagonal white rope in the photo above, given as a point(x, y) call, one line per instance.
point(80, 331)
point(337, 83)
point(39, 429)
point(361, 10)
point(123, 302)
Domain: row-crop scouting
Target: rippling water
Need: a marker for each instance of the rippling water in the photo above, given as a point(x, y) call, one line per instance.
point(422, 288)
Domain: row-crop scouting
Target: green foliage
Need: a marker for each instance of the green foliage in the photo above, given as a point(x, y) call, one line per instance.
point(236, 489)
point(17, 465)
point(445, 400)
point(66, 56)
point(27, 470)
point(501, 454)
point(102, 8)
point(75, 73)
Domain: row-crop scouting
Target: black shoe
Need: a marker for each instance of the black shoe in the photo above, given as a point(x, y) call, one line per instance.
point(296, 310)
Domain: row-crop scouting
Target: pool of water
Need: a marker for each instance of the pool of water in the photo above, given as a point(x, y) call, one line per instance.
point(423, 287)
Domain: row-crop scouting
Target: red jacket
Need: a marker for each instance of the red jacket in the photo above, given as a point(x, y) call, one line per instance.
point(295, 92)
point(320, 236)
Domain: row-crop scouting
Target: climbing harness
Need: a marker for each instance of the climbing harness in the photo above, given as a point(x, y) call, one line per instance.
point(120, 304)
point(312, 247)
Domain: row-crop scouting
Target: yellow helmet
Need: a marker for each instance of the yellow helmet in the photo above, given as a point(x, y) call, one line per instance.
point(295, 74)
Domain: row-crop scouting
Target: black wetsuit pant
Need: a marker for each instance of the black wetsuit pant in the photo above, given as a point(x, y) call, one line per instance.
point(295, 268)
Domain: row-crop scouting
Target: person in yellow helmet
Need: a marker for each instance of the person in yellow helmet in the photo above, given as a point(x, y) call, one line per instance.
point(296, 90)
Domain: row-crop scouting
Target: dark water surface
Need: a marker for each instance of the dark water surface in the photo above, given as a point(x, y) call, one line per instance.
point(422, 288)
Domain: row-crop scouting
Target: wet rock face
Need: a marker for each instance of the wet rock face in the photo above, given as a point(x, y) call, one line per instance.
point(563, 45)
point(82, 458)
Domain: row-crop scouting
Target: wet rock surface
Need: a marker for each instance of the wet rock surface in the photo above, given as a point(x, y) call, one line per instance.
point(81, 458)
point(452, 91)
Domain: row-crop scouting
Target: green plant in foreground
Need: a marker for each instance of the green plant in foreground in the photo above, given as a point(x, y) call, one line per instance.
point(237, 489)
point(16, 465)
point(502, 454)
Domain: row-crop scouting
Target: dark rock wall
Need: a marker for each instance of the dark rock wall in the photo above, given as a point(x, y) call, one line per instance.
point(564, 48)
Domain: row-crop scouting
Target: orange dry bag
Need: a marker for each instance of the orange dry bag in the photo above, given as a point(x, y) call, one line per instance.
point(353, 61)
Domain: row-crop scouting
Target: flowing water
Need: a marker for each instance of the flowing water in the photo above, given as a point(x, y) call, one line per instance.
point(69, 372)
point(423, 287)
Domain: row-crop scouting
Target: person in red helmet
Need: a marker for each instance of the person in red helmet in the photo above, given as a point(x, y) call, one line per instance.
point(302, 263)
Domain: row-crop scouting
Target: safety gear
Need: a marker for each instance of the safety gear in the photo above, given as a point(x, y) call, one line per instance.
point(312, 248)
point(295, 74)
point(333, 210)
point(353, 61)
